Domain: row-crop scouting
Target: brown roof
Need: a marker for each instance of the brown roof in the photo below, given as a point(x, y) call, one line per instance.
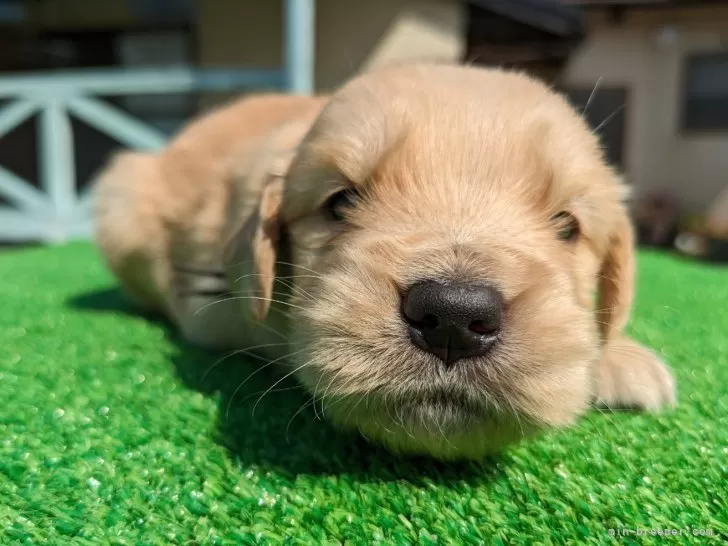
point(637, 3)
point(613, 2)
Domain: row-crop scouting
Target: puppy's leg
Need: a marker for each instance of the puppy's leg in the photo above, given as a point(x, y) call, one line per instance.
point(218, 324)
point(631, 376)
point(213, 323)
point(208, 315)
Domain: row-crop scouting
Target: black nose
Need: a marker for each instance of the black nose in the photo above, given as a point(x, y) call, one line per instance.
point(453, 321)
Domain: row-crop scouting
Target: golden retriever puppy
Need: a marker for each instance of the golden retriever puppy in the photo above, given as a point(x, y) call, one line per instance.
point(447, 255)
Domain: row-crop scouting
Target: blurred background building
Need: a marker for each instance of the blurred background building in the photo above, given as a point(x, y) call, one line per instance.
point(653, 72)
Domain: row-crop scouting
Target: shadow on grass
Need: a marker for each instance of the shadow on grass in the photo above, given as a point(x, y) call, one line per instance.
point(277, 429)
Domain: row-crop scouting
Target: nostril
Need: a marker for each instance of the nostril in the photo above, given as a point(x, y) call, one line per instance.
point(483, 327)
point(430, 321)
point(427, 322)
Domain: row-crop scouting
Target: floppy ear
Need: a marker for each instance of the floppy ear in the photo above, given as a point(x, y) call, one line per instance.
point(252, 252)
point(616, 280)
point(629, 375)
point(250, 255)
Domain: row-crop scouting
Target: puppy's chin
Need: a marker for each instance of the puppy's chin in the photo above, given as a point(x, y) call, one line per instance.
point(444, 426)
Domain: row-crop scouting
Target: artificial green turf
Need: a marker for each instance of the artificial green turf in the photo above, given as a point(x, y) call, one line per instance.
point(110, 432)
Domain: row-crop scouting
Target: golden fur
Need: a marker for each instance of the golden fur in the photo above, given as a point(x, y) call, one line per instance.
point(459, 172)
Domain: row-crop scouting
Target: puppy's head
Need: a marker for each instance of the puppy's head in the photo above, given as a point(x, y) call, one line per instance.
point(450, 228)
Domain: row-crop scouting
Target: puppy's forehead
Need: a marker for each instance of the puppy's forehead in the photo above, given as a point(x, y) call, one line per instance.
point(452, 118)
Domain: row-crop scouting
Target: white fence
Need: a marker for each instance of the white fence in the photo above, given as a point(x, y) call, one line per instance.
point(57, 212)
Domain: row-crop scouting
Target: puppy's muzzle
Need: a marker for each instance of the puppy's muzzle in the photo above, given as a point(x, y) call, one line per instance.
point(453, 320)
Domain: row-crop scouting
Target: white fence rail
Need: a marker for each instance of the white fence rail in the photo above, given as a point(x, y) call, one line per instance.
point(56, 211)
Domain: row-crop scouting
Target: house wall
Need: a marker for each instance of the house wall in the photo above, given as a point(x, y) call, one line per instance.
point(351, 35)
point(355, 35)
point(658, 155)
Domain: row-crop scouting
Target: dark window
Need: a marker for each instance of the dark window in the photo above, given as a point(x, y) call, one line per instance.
point(705, 98)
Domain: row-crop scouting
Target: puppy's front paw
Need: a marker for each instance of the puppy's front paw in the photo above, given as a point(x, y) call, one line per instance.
point(633, 377)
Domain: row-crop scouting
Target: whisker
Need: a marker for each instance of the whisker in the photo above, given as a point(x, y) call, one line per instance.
point(315, 390)
point(282, 389)
point(335, 401)
point(388, 410)
point(257, 292)
point(444, 437)
point(402, 425)
point(289, 374)
point(297, 290)
point(608, 118)
point(270, 329)
point(380, 425)
point(323, 398)
point(300, 267)
point(298, 412)
point(248, 275)
point(247, 351)
point(365, 396)
point(319, 275)
point(591, 96)
point(281, 302)
point(515, 414)
point(606, 278)
point(336, 376)
point(237, 389)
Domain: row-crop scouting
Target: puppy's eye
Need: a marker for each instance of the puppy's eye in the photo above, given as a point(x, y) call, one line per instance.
point(337, 205)
point(567, 226)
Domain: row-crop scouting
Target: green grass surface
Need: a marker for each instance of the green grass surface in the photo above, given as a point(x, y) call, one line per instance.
point(110, 433)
